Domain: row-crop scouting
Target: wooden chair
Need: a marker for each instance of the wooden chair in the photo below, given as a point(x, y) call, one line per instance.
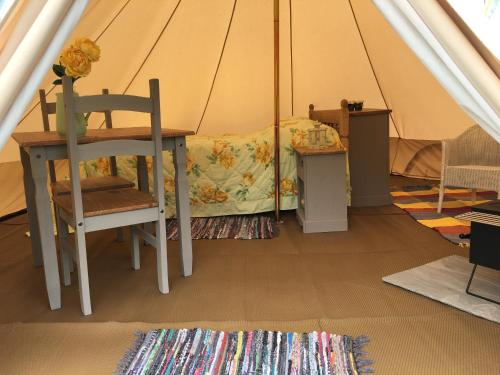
point(89, 184)
point(88, 211)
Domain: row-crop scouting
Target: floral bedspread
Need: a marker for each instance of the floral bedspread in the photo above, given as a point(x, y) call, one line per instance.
point(230, 174)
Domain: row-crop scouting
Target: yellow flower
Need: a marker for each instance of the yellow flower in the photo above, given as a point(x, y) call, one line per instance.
point(226, 159)
point(169, 185)
point(76, 62)
point(220, 196)
point(287, 186)
point(89, 48)
point(149, 163)
point(189, 162)
point(263, 153)
point(195, 201)
point(248, 179)
point(207, 194)
point(219, 147)
point(102, 165)
point(298, 138)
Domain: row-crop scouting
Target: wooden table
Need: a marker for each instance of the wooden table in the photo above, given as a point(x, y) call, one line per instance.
point(37, 148)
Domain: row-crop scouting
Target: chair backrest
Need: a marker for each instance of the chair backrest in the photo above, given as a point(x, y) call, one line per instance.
point(49, 108)
point(86, 151)
point(474, 147)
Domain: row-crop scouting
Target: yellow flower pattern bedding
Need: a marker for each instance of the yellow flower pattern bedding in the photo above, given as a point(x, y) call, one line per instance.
point(230, 174)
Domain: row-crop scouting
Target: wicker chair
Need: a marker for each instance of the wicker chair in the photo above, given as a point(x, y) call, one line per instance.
point(471, 160)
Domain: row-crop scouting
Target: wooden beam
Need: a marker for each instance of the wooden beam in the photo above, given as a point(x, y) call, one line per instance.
point(277, 109)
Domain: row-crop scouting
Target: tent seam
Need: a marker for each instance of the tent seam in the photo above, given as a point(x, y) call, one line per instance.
point(218, 66)
point(291, 54)
point(372, 68)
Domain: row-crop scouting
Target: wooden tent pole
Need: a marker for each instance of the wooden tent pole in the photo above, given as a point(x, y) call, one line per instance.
point(277, 110)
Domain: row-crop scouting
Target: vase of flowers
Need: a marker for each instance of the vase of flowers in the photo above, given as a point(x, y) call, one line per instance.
point(75, 61)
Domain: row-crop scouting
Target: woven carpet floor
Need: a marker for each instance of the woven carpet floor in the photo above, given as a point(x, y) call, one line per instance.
point(421, 203)
point(294, 282)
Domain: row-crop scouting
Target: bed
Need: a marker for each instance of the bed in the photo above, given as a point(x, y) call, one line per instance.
point(230, 174)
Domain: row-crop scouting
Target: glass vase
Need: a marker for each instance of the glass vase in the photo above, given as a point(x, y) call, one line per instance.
point(80, 120)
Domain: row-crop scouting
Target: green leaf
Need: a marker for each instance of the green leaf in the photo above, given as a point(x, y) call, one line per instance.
point(57, 82)
point(59, 70)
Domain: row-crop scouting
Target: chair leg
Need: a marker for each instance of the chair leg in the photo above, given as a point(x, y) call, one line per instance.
point(161, 256)
point(441, 197)
point(66, 256)
point(474, 195)
point(134, 248)
point(83, 274)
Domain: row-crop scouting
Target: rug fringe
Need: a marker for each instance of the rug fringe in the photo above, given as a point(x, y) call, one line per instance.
point(130, 354)
point(363, 365)
point(241, 227)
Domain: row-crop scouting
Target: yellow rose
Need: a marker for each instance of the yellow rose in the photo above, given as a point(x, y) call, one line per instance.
point(219, 146)
point(76, 63)
point(189, 162)
point(195, 201)
point(263, 153)
point(149, 163)
point(220, 196)
point(169, 185)
point(207, 194)
point(89, 48)
point(298, 138)
point(226, 159)
point(102, 165)
point(248, 179)
point(287, 186)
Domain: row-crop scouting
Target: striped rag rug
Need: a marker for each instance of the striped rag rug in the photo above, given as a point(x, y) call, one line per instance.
point(421, 203)
point(203, 351)
point(239, 227)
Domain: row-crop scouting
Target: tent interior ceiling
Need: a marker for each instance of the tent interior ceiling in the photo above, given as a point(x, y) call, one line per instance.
point(180, 42)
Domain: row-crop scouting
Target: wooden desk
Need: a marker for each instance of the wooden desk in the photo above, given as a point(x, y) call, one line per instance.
point(37, 148)
point(365, 134)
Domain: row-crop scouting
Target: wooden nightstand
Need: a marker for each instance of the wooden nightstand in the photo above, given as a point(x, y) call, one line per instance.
point(321, 182)
point(365, 134)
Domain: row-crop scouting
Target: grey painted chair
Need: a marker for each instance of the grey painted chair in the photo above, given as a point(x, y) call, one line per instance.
point(471, 160)
point(89, 211)
point(94, 183)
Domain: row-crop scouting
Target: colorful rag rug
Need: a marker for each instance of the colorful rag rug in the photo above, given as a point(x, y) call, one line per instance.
point(421, 203)
point(240, 227)
point(200, 351)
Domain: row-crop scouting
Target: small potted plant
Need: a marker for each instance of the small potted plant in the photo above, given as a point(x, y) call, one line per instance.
point(75, 61)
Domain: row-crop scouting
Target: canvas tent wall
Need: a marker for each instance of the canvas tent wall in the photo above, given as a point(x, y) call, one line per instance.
point(329, 50)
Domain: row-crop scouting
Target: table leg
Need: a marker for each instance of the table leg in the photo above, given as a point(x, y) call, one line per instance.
point(182, 206)
point(29, 193)
point(46, 227)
